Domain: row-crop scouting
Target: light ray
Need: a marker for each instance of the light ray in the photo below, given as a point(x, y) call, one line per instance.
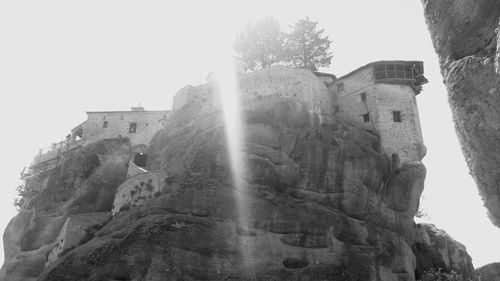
point(228, 88)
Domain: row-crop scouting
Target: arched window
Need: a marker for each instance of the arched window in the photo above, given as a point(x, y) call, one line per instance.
point(141, 159)
point(132, 127)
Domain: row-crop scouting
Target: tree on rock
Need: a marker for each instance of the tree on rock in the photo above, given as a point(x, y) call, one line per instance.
point(260, 45)
point(307, 47)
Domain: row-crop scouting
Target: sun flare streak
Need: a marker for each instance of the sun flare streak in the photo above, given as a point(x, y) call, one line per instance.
point(227, 82)
point(230, 101)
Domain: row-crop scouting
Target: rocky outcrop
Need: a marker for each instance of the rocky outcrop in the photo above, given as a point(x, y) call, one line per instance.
point(320, 201)
point(465, 36)
point(435, 249)
point(83, 183)
point(489, 272)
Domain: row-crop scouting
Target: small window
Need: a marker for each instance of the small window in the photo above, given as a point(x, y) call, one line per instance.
point(141, 159)
point(105, 124)
point(396, 116)
point(132, 128)
point(336, 109)
point(363, 97)
point(366, 117)
point(340, 86)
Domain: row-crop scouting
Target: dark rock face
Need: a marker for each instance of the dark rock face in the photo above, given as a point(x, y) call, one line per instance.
point(434, 249)
point(85, 182)
point(489, 272)
point(318, 198)
point(321, 202)
point(464, 36)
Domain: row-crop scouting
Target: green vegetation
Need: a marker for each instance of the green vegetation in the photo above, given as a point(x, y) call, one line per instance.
point(440, 275)
point(263, 44)
point(260, 45)
point(307, 46)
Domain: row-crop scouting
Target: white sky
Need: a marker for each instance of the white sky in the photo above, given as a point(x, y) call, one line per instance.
point(59, 59)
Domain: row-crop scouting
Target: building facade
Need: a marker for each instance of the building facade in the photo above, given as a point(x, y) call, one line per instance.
point(381, 97)
point(138, 125)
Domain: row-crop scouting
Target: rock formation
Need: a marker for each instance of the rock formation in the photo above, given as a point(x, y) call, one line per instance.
point(84, 183)
point(489, 272)
point(322, 203)
point(434, 249)
point(465, 36)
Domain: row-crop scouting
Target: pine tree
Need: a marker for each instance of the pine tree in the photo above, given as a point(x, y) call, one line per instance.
point(307, 47)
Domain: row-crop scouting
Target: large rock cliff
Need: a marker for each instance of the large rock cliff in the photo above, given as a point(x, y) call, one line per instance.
point(465, 36)
point(322, 202)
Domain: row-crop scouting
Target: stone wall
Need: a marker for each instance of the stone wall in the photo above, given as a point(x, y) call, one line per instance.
point(350, 106)
point(52, 152)
point(118, 125)
point(37, 183)
point(45, 166)
point(381, 100)
point(74, 230)
point(37, 176)
point(300, 84)
point(137, 190)
point(405, 137)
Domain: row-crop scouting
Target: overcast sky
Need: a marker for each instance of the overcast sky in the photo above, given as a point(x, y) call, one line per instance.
point(59, 59)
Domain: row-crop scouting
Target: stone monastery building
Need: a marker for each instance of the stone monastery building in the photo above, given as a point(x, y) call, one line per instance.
point(379, 97)
point(138, 125)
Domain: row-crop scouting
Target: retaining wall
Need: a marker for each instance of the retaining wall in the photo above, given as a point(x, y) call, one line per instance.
point(137, 190)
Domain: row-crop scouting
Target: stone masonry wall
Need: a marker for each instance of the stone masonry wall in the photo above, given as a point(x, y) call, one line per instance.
point(37, 183)
point(148, 123)
point(299, 84)
point(350, 106)
point(137, 190)
point(403, 138)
